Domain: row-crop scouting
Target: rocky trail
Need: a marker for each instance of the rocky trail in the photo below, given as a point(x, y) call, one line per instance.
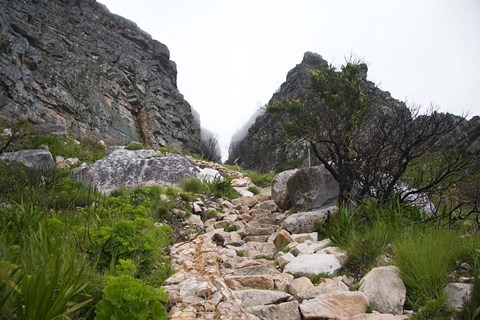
point(246, 265)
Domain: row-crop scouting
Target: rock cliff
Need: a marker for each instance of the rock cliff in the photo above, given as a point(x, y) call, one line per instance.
point(71, 66)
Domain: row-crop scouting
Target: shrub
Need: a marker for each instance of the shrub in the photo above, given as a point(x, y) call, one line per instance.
point(136, 239)
point(230, 228)
point(194, 185)
point(125, 297)
point(221, 187)
point(133, 145)
point(425, 257)
point(254, 189)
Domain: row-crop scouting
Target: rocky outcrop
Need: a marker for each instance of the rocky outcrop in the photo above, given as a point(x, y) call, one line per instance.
point(70, 66)
point(264, 147)
point(37, 159)
point(126, 168)
point(384, 289)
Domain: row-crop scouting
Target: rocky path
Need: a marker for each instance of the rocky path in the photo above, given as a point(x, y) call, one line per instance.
point(247, 266)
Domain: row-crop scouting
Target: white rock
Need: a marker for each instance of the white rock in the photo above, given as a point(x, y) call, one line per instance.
point(335, 305)
point(302, 237)
point(457, 294)
point(325, 286)
point(255, 297)
point(284, 259)
point(385, 289)
point(312, 264)
point(282, 311)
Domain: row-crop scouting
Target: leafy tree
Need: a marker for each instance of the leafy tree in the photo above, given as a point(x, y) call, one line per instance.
point(368, 146)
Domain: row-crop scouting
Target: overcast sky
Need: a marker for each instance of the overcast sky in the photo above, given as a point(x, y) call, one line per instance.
point(232, 55)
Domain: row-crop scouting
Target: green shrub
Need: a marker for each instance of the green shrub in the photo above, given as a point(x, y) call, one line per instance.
point(125, 297)
point(193, 185)
point(221, 187)
point(425, 257)
point(254, 189)
point(133, 145)
point(136, 239)
point(316, 279)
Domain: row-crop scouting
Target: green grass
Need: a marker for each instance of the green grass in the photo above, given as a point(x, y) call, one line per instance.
point(194, 185)
point(425, 257)
point(426, 253)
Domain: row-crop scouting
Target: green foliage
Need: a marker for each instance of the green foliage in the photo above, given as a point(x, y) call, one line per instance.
point(133, 145)
point(87, 150)
point(194, 185)
point(316, 279)
point(125, 297)
point(44, 277)
point(425, 257)
point(254, 189)
point(171, 149)
point(48, 189)
point(221, 187)
point(58, 239)
point(136, 239)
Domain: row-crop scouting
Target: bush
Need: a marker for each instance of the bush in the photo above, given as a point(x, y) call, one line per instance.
point(133, 145)
point(194, 185)
point(221, 187)
point(136, 239)
point(125, 297)
point(425, 257)
point(254, 190)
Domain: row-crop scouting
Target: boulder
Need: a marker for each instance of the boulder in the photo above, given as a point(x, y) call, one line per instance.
point(284, 259)
point(334, 305)
point(255, 297)
point(282, 311)
point(312, 264)
point(304, 222)
point(385, 289)
point(127, 168)
point(279, 189)
point(457, 294)
point(312, 188)
point(37, 159)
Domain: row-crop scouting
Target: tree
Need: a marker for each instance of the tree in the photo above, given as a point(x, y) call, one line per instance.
point(368, 146)
point(209, 147)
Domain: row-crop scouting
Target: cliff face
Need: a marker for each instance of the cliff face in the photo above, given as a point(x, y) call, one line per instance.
point(70, 66)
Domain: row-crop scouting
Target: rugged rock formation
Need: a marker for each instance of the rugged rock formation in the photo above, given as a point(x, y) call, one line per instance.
point(264, 146)
point(70, 66)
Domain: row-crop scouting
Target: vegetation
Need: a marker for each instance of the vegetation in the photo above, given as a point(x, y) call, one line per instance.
point(260, 179)
point(366, 147)
point(134, 145)
point(67, 252)
point(425, 253)
point(220, 186)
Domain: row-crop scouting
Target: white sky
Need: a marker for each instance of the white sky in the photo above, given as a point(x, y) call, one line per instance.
point(232, 55)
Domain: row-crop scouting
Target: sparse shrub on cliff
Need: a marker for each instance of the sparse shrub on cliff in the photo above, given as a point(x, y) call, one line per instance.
point(134, 145)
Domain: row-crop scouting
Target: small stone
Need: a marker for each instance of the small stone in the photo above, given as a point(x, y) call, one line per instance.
point(282, 239)
point(313, 264)
point(457, 294)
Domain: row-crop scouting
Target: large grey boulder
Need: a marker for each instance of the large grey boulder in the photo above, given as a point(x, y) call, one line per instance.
point(312, 188)
point(279, 189)
point(126, 168)
point(309, 265)
point(38, 159)
point(304, 222)
point(385, 289)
